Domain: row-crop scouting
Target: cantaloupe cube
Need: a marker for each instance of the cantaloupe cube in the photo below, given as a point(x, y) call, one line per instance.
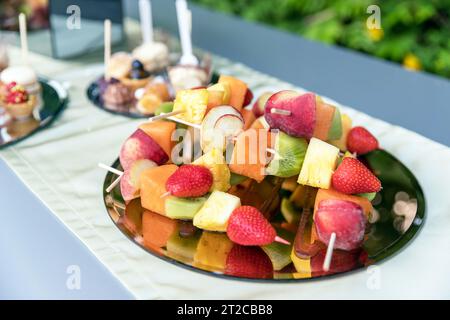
point(153, 186)
point(215, 98)
point(250, 157)
point(323, 194)
point(161, 132)
point(324, 119)
point(212, 251)
point(156, 229)
point(238, 90)
point(249, 118)
point(346, 126)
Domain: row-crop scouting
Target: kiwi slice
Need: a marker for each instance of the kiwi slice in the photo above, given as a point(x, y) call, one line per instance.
point(290, 153)
point(164, 107)
point(183, 208)
point(289, 212)
point(335, 131)
point(280, 254)
point(369, 196)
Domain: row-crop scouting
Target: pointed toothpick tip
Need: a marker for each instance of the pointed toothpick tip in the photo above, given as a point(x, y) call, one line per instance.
point(281, 240)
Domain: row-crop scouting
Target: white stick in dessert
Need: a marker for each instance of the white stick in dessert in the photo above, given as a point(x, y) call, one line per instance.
point(23, 37)
point(114, 184)
point(145, 16)
point(281, 112)
point(184, 27)
point(107, 52)
point(329, 254)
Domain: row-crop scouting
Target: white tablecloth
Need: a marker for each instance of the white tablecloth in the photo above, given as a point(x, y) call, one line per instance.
point(60, 166)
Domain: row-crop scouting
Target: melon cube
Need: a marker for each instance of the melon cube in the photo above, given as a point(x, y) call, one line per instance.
point(153, 186)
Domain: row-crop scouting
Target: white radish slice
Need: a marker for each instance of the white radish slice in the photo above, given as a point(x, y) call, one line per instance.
point(219, 123)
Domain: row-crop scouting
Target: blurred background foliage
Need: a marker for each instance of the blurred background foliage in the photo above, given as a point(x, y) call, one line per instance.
point(415, 33)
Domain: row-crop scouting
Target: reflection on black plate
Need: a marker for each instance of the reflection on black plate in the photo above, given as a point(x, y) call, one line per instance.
point(399, 214)
point(54, 98)
point(129, 110)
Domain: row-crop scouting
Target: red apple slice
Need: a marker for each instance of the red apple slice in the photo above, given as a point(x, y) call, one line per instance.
point(345, 218)
point(130, 183)
point(248, 97)
point(141, 146)
point(213, 130)
point(296, 113)
point(260, 103)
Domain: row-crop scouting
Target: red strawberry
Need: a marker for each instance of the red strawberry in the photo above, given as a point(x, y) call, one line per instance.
point(189, 181)
point(248, 262)
point(352, 177)
point(248, 227)
point(248, 97)
point(361, 141)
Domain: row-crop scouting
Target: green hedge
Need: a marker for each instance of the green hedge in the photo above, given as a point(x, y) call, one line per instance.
point(415, 33)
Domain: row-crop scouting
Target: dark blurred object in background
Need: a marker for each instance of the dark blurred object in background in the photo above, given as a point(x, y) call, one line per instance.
point(415, 33)
point(36, 11)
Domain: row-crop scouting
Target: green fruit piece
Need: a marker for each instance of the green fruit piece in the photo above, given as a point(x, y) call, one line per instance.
point(183, 208)
point(369, 196)
point(179, 247)
point(290, 214)
point(236, 179)
point(164, 107)
point(336, 126)
point(280, 254)
point(289, 156)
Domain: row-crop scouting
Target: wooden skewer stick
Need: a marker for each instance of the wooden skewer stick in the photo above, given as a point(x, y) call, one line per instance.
point(281, 112)
point(110, 169)
point(115, 171)
point(114, 184)
point(329, 254)
point(165, 194)
point(23, 37)
point(281, 240)
point(107, 52)
point(145, 16)
point(164, 115)
point(194, 125)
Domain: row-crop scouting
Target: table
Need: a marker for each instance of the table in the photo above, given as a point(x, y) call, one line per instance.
point(56, 249)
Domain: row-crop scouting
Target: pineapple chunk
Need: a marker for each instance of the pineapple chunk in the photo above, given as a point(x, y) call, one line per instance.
point(192, 103)
point(320, 162)
point(216, 211)
point(341, 143)
point(212, 251)
point(215, 162)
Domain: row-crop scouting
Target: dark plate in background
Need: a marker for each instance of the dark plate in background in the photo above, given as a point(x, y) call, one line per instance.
point(400, 213)
point(130, 111)
point(54, 100)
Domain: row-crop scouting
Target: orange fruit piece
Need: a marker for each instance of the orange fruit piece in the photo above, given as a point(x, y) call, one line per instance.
point(249, 156)
point(238, 90)
point(153, 186)
point(156, 229)
point(324, 119)
point(161, 132)
point(249, 118)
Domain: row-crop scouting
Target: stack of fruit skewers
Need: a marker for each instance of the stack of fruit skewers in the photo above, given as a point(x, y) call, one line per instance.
point(300, 145)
